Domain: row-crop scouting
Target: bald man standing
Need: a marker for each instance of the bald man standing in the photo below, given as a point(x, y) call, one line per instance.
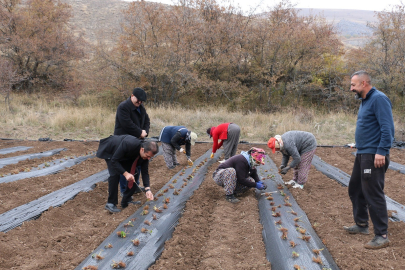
point(374, 136)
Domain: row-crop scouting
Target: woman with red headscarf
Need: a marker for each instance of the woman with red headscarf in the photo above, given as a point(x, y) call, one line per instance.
point(238, 174)
point(299, 145)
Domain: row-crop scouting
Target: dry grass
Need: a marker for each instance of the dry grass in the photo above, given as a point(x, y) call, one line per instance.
point(33, 118)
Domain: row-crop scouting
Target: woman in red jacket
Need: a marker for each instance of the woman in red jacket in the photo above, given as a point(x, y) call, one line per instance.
point(229, 134)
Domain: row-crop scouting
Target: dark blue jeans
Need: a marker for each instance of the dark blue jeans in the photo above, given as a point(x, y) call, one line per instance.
point(123, 180)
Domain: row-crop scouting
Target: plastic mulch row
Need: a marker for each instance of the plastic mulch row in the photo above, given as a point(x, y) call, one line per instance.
point(16, 159)
point(288, 235)
point(46, 169)
point(13, 149)
point(124, 239)
point(398, 210)
point(32, 210)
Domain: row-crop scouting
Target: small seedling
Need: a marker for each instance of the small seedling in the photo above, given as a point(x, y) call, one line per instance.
point(276, 214)
point(135, 242)
point(122, 234)
point(166, 190)
point(144, 212)
point(301, 230)
point(282, 193)
point(274, 208)
point(90, 267)
point(292, 212)
point(165, 206)
point(129, 224)
point(317, 260)
point(317, 251)
point(109, 245)
point(297, 267)
point(278, 222)
point(174, 181)
point(97, 256)
point(154, 217)
point(272, 203)
point(295, 254)
point(270, 198)
point(146, 207)
point(171, 186)
point(167, 200)
point(285, 233)
point(147, 222)
point(157, 210)
point(305, 238)
point(288, 204)
point(280, 186)
point(293, 244)
point(131, 253)
point(118, 265)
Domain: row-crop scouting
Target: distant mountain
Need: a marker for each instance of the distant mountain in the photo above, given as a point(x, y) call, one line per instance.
point(100, 20)
point(350, 24)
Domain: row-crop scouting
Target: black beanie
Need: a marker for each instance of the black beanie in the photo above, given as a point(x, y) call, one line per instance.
point(140, 94)
point(209, 132)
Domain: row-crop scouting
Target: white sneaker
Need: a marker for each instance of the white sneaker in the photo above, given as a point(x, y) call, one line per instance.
point(291, 182)
point(296, 185)
point(222, 161)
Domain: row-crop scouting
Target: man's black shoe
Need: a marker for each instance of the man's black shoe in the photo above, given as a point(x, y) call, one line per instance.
point(125, 205)
point(112, 208)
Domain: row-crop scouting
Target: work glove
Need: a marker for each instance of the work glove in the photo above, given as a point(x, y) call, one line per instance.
point(281, 167)
point(212, 155)
point(181, 150)
point(260, 185)
point(190, 162)
point(284, 170)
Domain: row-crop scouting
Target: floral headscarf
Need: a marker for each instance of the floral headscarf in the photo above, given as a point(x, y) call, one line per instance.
point(257, 156)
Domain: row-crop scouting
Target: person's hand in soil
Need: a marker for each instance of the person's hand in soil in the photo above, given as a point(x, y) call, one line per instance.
point(285, 170)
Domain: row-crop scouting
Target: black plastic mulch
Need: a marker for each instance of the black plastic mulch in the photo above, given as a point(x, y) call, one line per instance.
point(114, 249)
point(16, 159)
point(398, 210)
point(13, 149)
point(46, 169)
point(32, 210)
point(279, 250)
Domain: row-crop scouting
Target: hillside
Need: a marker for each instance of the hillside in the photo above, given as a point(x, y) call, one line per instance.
point(97, 19)
point(100, 20)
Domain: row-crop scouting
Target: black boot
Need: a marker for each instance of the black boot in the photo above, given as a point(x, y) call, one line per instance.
point(231, 198)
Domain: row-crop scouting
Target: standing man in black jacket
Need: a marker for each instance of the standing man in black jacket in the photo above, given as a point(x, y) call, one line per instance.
point(124, 154)
point(132, 119)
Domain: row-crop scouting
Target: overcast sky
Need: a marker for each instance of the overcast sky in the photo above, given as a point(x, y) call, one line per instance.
point(375, 5)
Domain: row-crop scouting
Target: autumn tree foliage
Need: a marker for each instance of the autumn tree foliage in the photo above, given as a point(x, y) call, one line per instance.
point(205, 52)
point(384, 55)
point(36, 39)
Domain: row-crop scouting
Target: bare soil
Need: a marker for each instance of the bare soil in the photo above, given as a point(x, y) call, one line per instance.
point(211, 234)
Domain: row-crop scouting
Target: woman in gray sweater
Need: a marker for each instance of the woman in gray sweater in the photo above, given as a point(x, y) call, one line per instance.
point(299, 145)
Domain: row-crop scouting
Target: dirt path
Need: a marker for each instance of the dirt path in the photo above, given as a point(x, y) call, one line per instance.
point(211, 234)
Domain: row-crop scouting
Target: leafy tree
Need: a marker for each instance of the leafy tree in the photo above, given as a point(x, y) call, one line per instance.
point(36, 38)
